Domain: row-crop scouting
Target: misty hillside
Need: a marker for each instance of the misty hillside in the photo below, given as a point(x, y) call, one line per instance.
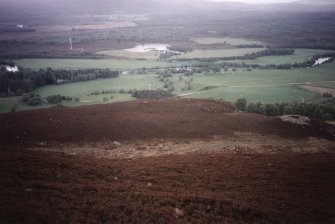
point(152, 6)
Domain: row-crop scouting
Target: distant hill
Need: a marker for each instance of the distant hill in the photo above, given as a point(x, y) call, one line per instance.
point(319, 2)
point(152, 6)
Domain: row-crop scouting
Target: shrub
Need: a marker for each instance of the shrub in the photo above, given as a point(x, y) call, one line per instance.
point(54, 99)
point(151, 94)
point(34, 101)
point(241, 104)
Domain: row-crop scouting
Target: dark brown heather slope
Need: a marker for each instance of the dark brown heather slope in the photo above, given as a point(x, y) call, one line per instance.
point(144, 120)
point(44, 187)
point(206, 186)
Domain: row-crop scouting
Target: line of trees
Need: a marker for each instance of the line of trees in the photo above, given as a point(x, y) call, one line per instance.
point(269, 52)
point(252, 56)
point(152, 94)
point(26, 80)
point(323, 111)
point(33, 99)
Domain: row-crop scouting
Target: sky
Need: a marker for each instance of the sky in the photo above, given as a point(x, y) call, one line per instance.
point(256, 1)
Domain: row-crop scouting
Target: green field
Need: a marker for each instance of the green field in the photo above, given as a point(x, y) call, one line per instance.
point(259, 85)
point(82, 89)
point(259, 94)
point(218, 53)
point(6, 105)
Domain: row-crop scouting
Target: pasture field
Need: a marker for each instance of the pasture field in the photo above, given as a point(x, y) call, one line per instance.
point(270, 86)
point(82, 89)
point(259, 85)
point(36, 64)
point(227, 40)
point(275, 94)
point(6, 105)
point(269, 77)
point(218, 53)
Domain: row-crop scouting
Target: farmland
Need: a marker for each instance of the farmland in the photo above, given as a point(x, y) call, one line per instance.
point(218, 53)
point(271, 86)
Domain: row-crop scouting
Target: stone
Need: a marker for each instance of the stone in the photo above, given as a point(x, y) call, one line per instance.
point(117, 144)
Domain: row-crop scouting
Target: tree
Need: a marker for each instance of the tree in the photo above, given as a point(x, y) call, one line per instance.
point(241, 104)
point(272, 110)
point(252, 108)
point(54, 99)
point(287, 110)
point(34, 101)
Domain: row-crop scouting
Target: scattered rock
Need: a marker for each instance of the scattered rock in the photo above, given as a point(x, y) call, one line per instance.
point(296, 119)
point(114, 145)
point(178, 212)
point(117, 144)
point(115, 178)
point(150, 185)
point(28, 189)
point(141, 148)
point(42, 144)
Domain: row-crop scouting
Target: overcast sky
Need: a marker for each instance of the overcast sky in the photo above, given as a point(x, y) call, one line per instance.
point(256, 1)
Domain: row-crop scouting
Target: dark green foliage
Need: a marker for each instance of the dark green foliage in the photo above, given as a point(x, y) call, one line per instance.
point(32, 99)
point(151, 94)
point(104, 92)
point(327, 95)
point(272, 110)
point(252, 108)
point(26, 96)
point(55, 99)
point(323, 111)
point(267, 52)
point(250, 46)
point(14, 108)
point(26, 80)
point(35, 100)
point(241, 104)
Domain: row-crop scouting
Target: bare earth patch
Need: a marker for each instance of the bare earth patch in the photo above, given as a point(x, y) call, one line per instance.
point(316, 89)
point(248, 143)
